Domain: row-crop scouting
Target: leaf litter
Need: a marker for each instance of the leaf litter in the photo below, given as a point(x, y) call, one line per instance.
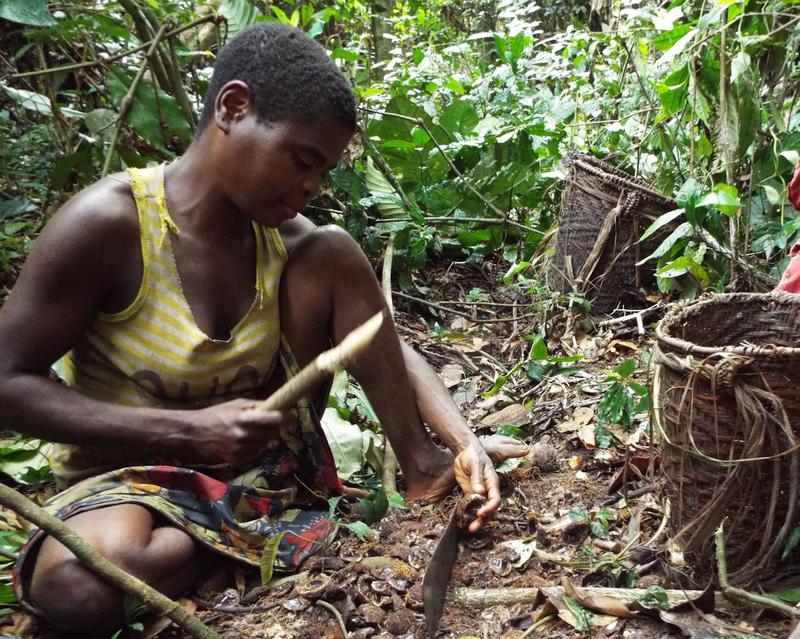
point(577, 548)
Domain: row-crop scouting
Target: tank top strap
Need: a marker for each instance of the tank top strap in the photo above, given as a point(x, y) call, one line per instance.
point(147, 186)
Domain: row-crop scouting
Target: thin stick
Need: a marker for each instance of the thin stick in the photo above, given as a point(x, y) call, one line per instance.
point(737, 593)
point(328, 363)
point(462, 314)
point(127, 101)
point(537, 625)
point(455, 220)
point(389, 474)
point(335, 613)
point(117, 56)
point(103, 568)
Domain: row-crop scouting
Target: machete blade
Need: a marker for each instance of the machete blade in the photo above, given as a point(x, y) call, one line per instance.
point(440, 568)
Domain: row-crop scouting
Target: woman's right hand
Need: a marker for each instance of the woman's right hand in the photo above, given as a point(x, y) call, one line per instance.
point(234, 432)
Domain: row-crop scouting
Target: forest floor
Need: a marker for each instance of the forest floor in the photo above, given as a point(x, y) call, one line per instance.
point(579, 517)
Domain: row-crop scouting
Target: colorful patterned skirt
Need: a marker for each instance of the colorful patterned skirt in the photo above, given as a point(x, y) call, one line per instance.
point(285, 495)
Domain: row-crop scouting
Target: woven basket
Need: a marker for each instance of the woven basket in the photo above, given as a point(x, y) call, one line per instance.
point(726, 390)
point(602, 265)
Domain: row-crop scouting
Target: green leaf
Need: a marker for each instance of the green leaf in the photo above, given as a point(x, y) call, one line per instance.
point(149, 102)
point(723, 197)
point(374, 507)
point(675, 268)
point(578, 514)
point(790, 595)
point(582, 616)
point(345, 441)
point(602, 436)
point(684, 230)
point(359, 529)
point(498, 384)
point(460, 117)
point(240, 14)
point(539, 348)
point(616, 406)
point(661, 221)
point(396, 501)
point(747, 106)
point(387, 200)
point(511, 431)
point(268, 555)
point(33, 12)
point(791, 542)
point(626, 368)
point(656, 595)
point(508, 465)
point(343, 54)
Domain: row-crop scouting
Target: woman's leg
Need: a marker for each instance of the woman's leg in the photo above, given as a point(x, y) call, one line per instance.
point(128, 535)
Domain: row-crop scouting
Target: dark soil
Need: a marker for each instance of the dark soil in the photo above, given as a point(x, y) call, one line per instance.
point(546, 501)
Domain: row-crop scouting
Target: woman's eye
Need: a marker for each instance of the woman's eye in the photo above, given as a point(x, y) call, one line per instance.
point(302, 162)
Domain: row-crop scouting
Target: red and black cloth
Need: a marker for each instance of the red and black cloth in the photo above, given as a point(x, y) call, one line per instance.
point(790, 282)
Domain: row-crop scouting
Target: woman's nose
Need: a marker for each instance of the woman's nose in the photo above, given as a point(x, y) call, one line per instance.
point(311, 185)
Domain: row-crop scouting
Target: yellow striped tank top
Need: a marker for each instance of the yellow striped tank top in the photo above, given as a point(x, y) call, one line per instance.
point(153, 353)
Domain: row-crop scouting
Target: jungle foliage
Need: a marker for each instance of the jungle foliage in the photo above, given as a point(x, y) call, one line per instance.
point(467, 109)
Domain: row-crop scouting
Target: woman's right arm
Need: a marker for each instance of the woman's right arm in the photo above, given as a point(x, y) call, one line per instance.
point(77, 265)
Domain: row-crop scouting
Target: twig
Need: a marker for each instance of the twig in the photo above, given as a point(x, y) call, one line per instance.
point(389, 473)
point(537, 625)
point(117, 56)
point(335, 613)
point(456, 220)
point(327, 363)
point(483, 598)
point(127, 101)
point(103, 568)
point(737, 593)
point(652, 104)
point(462, 314)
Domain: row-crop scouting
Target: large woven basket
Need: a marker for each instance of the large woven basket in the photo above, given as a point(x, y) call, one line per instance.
point(726, 390)
point(604, 212)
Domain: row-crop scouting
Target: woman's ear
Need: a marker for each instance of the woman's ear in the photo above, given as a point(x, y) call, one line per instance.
point(232, 104)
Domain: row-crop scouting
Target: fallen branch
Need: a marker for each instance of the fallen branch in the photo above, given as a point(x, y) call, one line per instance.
point(328, 363)
point(485, 597)
point(763, 601)
point(103, 568)
point(446, 220)
point(389, 474)
point(461, 313)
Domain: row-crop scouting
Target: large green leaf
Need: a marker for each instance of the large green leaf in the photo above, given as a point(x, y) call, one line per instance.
point(383, 194)
point(32, 12)
point(684, 230)
point(345, 441)
point(240, 14)
point(746, 100)
point(143, 116)
point(460, 117)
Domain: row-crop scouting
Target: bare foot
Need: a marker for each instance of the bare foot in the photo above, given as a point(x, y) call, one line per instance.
point(439, 480)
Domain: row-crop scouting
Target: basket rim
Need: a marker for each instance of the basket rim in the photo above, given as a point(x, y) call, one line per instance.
point(684, 311)
point(605, 171)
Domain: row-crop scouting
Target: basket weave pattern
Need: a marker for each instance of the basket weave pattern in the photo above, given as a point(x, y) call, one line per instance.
point(595, 188)
point(726, 395)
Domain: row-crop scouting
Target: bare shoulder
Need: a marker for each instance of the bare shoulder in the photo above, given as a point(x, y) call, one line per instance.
point(88, 240)
point(293, 231)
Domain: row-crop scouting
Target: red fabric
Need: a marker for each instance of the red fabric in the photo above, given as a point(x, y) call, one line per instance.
point(790, 282)
point(794, 189)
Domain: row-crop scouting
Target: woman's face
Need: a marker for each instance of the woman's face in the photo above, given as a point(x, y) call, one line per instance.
point(271, 170)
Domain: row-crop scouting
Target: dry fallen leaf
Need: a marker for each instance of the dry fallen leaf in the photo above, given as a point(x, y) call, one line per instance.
point(452, 374)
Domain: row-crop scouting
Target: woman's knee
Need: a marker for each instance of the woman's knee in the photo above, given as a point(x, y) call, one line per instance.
point(72, 598)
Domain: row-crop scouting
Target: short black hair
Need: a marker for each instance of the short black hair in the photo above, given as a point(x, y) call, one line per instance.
point(290, 76)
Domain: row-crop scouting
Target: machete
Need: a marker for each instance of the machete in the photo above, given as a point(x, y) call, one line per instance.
point(437, 575)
